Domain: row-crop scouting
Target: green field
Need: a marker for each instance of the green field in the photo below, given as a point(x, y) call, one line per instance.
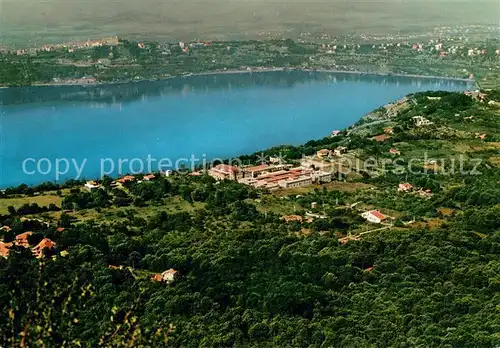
point(17, 202)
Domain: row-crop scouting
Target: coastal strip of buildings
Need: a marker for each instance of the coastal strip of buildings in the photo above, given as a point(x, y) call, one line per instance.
point(270, 176)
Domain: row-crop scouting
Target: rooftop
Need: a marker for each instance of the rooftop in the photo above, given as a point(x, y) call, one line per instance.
point(377, 214)
point(226, 169)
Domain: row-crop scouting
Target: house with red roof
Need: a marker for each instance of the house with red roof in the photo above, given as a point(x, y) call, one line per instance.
point(46, 243)
point(5, 249)
point(166, 277)
point(394, 151)
point(381, 137)
point(126, 178)
point(22, 239)
point(157, 278)
point(374, 216)
point(149, 177)
point(405, 187)
point(290, 218)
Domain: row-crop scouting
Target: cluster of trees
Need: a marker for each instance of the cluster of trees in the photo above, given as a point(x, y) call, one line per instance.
point(24, 189)
point(33, 208)
point(248, 280)
point(79, 199)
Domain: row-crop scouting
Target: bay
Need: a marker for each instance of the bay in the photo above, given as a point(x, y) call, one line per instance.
point(207, 116)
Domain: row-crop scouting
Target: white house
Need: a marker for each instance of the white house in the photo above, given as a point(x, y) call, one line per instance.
point(405, 187)
point(421, 121)
point(170, 275)
point(92, 185)
point(374, 216)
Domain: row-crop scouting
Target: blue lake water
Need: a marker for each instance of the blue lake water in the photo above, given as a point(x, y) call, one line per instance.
point(208, 116)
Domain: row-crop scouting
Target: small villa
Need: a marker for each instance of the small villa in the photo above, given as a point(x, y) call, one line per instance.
point(127, 178)
point(323, 153)
point(292, 218)
point(170, 275)
point(381, 138)
point(149, 177)
point(166, 277)
point(91, 185)
point(394, 151)
point(46, 243)
point(5, 249)
point(405, 187)
point(374, 216)
point(420, 121)
point(22, 239)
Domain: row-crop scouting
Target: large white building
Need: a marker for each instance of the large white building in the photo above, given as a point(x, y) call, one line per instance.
point(374, 216)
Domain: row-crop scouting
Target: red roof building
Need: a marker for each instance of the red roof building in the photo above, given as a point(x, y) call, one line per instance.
point(5, 249)
point(22, 239)
point(46, 243)
point(290, 218)
point(405, 187)
point(381, 137)
point(149, 177)
point(225, 172)
point(394, 151)
point(157, 278)
point(374, 216)
point(126, 178)
point(255, 171)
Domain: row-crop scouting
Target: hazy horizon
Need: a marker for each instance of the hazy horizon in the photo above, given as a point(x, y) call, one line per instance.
point(30, 22)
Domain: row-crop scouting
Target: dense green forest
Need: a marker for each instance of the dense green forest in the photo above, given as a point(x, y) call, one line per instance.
point(249, 279)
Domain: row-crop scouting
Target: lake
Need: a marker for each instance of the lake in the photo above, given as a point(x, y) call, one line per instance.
point(46, 131)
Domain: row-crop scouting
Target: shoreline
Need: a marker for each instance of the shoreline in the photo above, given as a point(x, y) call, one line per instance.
point(252, 70)
point(245, 71)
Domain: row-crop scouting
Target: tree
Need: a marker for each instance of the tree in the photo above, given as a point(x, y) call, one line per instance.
point(11, 210)
point(134, 259)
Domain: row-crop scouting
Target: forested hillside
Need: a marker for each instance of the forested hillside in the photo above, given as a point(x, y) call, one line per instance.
point(247, 278)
